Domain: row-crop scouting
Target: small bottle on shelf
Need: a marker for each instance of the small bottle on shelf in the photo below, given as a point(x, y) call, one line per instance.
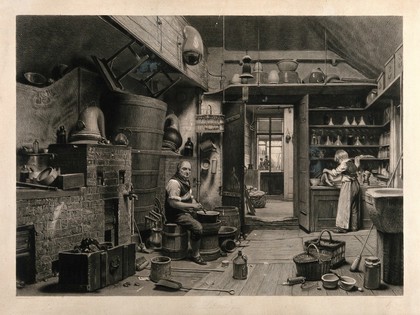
point(338, 141)
point(314, 140)
point(188, 148)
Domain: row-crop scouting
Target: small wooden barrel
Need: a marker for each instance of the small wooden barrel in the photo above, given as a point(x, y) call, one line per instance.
point(229, 216)
point(174, 241)
point(209, 246)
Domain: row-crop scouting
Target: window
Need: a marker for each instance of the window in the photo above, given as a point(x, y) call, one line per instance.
point(270, 136)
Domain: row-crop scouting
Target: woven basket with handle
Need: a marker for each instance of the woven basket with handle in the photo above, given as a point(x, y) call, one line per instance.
point(312, 265)
point(336, 248)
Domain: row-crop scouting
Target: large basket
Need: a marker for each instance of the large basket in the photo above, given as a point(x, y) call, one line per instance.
point(258, 198)
point(334, 247)
point(312, 266)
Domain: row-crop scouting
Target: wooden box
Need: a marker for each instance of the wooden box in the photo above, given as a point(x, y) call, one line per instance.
point(92, 271)
point(71, 181)
point(82, 271)
point(389, 71)
point(381, 83)
point(398, 61)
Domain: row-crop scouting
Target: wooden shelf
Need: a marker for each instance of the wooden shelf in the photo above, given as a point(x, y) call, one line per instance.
point(348, 126)
point(362, 159)
point(330, 109)
point(346, 146)
point(294, 91)
point(392, 92)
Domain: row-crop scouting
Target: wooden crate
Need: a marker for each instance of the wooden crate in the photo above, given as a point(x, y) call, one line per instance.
point(71, 181)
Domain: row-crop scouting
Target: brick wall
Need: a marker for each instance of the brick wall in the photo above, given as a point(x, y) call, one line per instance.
point(63, 218)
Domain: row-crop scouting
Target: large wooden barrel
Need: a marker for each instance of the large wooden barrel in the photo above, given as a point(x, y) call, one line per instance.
point(174, 241)
point(209, 246)
point(230, 217)
point(142, 120)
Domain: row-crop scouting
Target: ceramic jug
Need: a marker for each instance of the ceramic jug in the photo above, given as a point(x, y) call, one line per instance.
point(172, 139)
point(316, 76)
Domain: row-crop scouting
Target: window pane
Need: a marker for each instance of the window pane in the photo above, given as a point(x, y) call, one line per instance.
point(263, 125)
point(276, 125)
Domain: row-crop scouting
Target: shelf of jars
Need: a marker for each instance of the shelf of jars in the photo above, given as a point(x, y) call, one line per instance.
point(350, 126)
point(361, 159)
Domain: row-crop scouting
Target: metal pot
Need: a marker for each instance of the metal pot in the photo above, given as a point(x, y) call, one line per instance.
point(47, 176)
point(208, 216)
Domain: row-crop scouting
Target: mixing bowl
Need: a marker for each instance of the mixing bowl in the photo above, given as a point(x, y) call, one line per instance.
point(287, 65)
point(347, 283)
point(329, 281)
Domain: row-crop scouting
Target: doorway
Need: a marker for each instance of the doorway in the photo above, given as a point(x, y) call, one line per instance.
point(269, 160)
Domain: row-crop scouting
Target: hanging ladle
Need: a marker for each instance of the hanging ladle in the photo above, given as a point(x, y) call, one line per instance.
point(175, 285)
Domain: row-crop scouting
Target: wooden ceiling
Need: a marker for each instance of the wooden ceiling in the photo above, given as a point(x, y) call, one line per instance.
point(366, 42)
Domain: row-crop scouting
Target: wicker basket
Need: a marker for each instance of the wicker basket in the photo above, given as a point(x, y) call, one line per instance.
point(258, 198)
point(312, 266)
point(334, 247)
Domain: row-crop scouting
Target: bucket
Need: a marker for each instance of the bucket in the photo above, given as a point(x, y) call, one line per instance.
point(142, 119)
point(174, 241)
point(160, 268)
point(209, 246)
point(229, 216)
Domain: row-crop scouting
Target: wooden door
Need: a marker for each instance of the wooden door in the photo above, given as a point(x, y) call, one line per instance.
point(233, 158)
point(288, 154)
point(301, 168)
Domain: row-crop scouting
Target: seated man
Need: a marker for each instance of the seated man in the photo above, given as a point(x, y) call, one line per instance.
point(180, 207)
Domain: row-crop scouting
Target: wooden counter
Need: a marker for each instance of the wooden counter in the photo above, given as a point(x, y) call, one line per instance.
point(323, 207)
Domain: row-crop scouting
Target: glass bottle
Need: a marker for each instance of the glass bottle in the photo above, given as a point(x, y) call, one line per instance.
point(338, 141)
point(362, 122)
point(35, 146)
point(240, 267)
point(328, 142)
point(188, 148)
point(357, 141)
point(354, 122)
point(331, 123)
point(314, 140)
point(61, 135)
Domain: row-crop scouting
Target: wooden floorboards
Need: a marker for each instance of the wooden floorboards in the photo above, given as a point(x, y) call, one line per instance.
point(270, 260)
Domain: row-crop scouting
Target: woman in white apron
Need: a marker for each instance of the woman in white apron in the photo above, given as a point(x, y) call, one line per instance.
point(348, 202)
